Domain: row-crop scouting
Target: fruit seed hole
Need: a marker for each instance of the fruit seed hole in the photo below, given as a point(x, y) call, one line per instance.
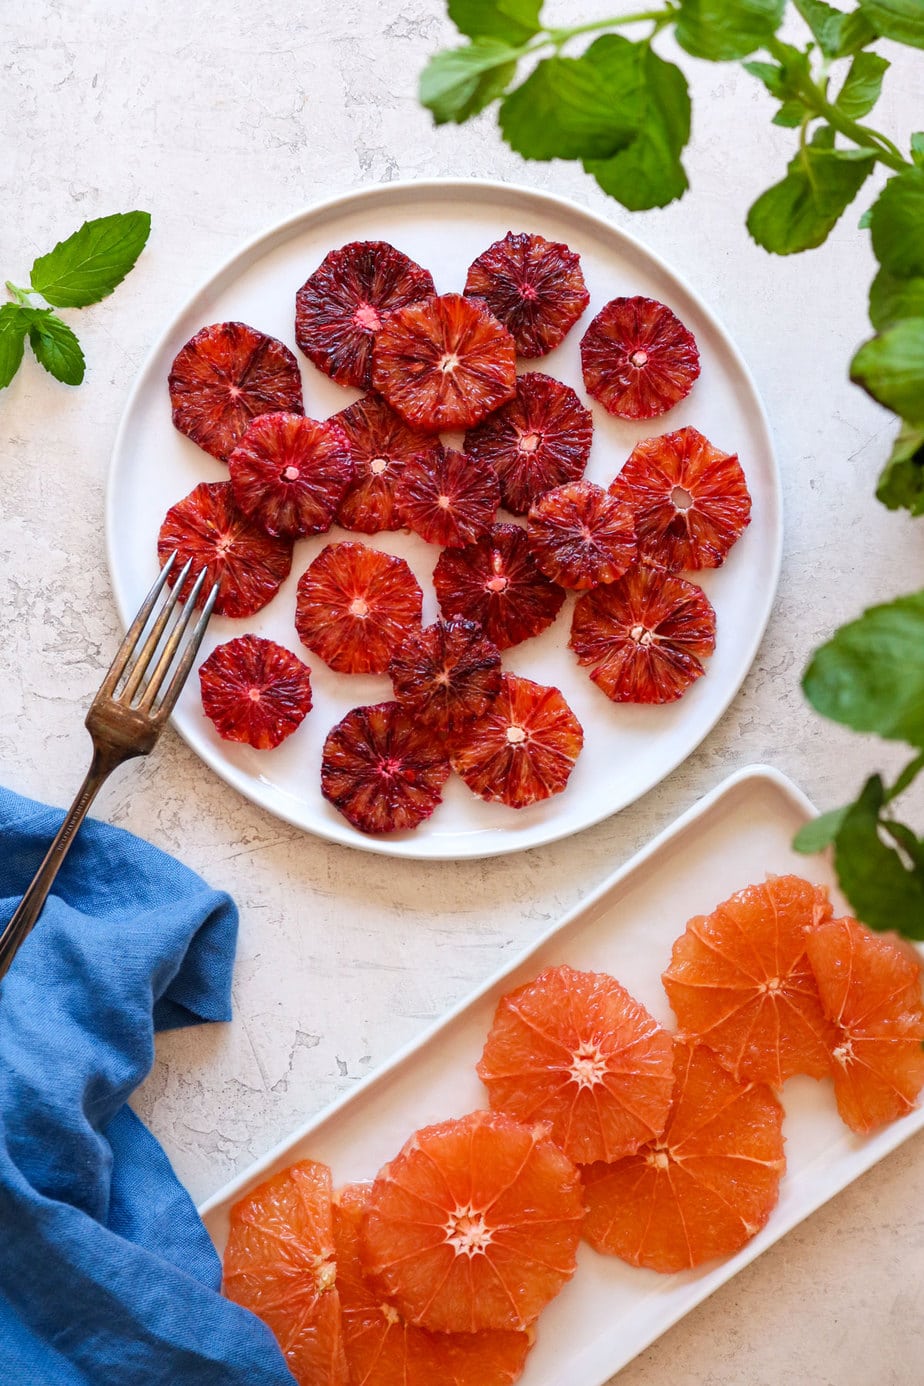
point(681, 499)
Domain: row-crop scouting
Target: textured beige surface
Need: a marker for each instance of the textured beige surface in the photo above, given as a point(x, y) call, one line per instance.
point(221, 119)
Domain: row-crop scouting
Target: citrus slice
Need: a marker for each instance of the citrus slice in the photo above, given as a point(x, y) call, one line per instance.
point(447, 498)
point(289, 473)
point(496, 582)
point(446, 675)
point(740, 980)
point(381, 770)
point(690, 501)
point(474, 1225)
point(339, 309)
point(279, 1264)
point(380, 445)
point(255, 691)
point(580, 536)
point(638, 358)
point(355, 605)
point(646, 633)
point(227, 375)
point(444, 363)
point(705, 1186)
point(248, 564)
point(539, 440)
point(870, 987)
point(524, 747)
point(383, 1350)
point(533, 286)
point(576, 1050)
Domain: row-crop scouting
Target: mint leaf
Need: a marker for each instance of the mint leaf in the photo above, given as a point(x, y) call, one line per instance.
point(722, 30)
point(771, 74)
point(870, 674)
point(512, 21)
point(917, 148)
point(455, 84)
point(856, 33)
point(799, 212)
point(865, 220)
point(789, 115)
point(820, 833)
point(891, 299)
point(91, 263)
point(884, 892)
point(909, 843)
point(901, 482)
point(898, 224)
point(55, 346)
point(890, 367)
point(862, 85)
point(14, 324)
point(577, 108)
point(649, 173)
point(825, 22)
point(901, 20)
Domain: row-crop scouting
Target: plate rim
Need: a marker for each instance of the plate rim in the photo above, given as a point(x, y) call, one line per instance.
point(345, 203)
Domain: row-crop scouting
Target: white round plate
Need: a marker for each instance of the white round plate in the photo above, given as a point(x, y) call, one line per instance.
point(444, 225)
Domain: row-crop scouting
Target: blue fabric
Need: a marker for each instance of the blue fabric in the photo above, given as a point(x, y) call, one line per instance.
point(107, 1275)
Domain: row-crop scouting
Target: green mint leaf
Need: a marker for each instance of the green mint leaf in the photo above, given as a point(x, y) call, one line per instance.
point(891, 299)
point(862, 85)
point(14, 324)
point(870, 674)
point(898, 224)
point(650, 173)
point(790, 115)
point(865, 220)
point(917, 148)
point(820, 833)
point(910, 844)
point(511, 21)
point(771, 74)
point(55, 346)
point(884, 893)
point(901, 482)
point(901, 20)
point(890, 367)
point(454, 82)
point(799, 212)
point(577, 108)
point(856, 33)
point(826, 24)
point(91, 263)
point(722, 30)
point(907, 777)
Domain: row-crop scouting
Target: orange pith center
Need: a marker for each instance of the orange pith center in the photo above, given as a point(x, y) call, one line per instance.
point(378, 465)
point(359, 607)
point(443, 502)
point(529, 442)
point(366, 317)
point(467, 1232)
point(448, 363)
point(516, 735)
point(658, 1156)
point(639, 358)
point(291, 474)
point(254, 694)
point(640, 635)
point(681, 499)
point(588, 1066)
point(326, 1275)
point(496, 584)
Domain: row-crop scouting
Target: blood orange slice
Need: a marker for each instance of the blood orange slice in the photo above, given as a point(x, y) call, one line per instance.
point(444, 363)
point(255, 691)
point(447, 498)
point(580, 536)
point(447, 675)
point(279, 1263)
point(690, 501)
point(638, 358)
point(646, 633)
point(289, 473)
point(381, 770)
point(539, 440)
point(705, 1186)
point(576, 1050)
point(224, 377)
point(248, 564)
point(339, 309)
point(380, 444)
point(740, 980)
point(383, 1350)
point(870, 987)
point(496, 582)
point(524, 747)
point(533, 286)
point(355, 605)
point(474, 1225)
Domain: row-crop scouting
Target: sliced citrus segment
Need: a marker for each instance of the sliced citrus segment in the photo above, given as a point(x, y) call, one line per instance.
point(646, 633)
point(289, 473)
point(255, 691)
point(447, 498)
point(444, 363)
point(496, 582)
point(533, 286)
point(638, 358)
point(279, 1263)
point(576, 1050)
point(580, 536)
point(474, 1225)
point(524, 747)
point(380, 444)
point(227, 375)
point(446, 675)
point(705, 1186)
point(740, 980)
point(381, 770)
point(355, 605)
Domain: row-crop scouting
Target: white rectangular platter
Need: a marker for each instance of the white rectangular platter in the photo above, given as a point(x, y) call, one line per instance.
point(609, 1312)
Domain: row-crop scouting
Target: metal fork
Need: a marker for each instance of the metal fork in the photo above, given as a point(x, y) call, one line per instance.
point(125, 720)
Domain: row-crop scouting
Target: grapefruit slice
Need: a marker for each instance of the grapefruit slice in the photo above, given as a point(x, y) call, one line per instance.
point(255, 691)
point(705, 1186)
point(638, 358)
point(381, 770)
point(496, 583)
point(380, 445)
point(580, 536)
point(289, 473)
point(447, 675)
point(447, 498)
point(354, 605)
point(576, 1050)
point(533, 286)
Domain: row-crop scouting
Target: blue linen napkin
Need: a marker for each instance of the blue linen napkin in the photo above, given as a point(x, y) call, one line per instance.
point(107, 1275)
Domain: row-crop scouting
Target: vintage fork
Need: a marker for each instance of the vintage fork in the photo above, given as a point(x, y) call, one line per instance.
point(125, 720)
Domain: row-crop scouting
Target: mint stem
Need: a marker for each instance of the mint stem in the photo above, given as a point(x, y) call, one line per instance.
point(560, 36)
point(22, 296)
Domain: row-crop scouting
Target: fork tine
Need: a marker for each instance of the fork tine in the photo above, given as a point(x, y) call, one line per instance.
point(166, 704)
point(123, 654)
point(150, 645)
point(167, 654)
